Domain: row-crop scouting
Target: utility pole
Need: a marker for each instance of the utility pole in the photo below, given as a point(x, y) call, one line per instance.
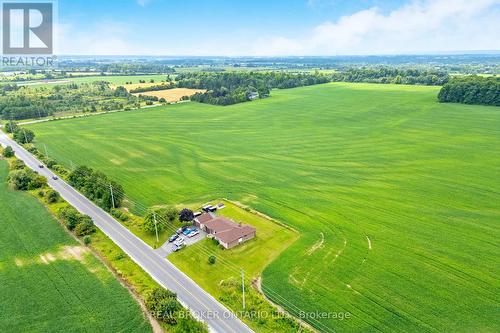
point(243, 286)
point(112, 196)
point(156, 226)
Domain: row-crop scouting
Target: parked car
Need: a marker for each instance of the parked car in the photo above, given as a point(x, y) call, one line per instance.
point(179, 241)
point(176, 247)
point(187, 231)
point(173, 238)
point(193, 233)
point(181, 230)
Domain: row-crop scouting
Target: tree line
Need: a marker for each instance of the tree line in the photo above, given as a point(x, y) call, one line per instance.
point(471, 90)
point(393, 75)
point(235, 87)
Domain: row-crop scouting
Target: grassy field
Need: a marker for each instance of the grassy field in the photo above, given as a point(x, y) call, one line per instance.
point(115, 80)
point(49, 282)
point(396, 197)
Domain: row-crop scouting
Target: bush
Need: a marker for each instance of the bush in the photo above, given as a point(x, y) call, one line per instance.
point(211, 260)
point(52, 196)
point(85, 226)
point(163, 305)
point(17, 165)
point(25, 179)
point(8, 152)
point(70, 217)
point(119, 215)
point(87, 240)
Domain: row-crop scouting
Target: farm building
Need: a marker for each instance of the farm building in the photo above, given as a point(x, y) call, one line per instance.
point(228, 233)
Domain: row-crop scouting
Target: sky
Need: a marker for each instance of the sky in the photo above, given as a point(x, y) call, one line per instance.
point(276, 28)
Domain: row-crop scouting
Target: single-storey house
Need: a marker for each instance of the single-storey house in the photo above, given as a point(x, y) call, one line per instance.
point(228, 233)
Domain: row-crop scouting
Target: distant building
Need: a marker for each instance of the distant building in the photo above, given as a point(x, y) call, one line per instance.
point(253, 95)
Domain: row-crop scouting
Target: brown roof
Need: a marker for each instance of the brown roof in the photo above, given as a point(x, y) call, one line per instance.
point(220, 224)
point(205, 217)
point(234, 234)
point(228, 231)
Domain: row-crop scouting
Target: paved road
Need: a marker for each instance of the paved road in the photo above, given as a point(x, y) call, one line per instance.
point(203, 306)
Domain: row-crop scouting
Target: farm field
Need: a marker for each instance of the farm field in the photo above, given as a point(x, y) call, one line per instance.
point(396, 196)
point(49, 282)
point(172, 95)
point(115, 80)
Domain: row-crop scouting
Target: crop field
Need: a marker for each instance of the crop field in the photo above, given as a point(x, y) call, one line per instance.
point(49, 282)
point(171, 95)
point(115, 80)
point(396, 196)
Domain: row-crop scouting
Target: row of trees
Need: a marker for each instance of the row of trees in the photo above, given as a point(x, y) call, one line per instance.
point(80, 224)
point(234, 87)
point(27, 103)
point(96, 186)
point(471, 90)
point(394, 75)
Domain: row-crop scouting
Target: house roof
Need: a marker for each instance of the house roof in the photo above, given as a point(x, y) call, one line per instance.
point(228, 231)
point(234, 234)
point(205, 217)
point(220, 224)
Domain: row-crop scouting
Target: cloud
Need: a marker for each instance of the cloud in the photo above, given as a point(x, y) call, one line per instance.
point(100, 38)
point(143, 2)
point(419, 26)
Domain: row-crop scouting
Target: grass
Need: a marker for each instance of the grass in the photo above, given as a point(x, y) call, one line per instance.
point(49, 282)
point(112, 79)
point(346, 165)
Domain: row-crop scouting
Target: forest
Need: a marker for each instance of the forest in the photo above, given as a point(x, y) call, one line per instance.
point(235, 87)
point(471, 90)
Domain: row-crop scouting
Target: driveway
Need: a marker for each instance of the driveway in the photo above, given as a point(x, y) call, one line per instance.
point(166, 248)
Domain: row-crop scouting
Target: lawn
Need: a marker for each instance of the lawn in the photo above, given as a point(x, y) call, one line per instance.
point(49, 282)
point(396, 196)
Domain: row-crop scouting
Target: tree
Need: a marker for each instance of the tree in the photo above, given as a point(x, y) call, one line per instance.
point(150, 225)
point(10, 127)
point(163, 305)
point(186, 215)
point(211, 260)
point(70, 217)
point(8, 152)
point(23, 136)
point(25, 179)
point(85, 226)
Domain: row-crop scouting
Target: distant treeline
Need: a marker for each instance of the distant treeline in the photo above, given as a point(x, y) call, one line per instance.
point(235, 87)
point(26, 103)
point(394, 75)
point(471, 90)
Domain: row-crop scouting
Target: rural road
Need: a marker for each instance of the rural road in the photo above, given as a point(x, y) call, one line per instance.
point(201, 304)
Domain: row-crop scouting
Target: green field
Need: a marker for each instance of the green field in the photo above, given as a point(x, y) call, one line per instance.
point(48, 282)
point(113, 79)
point(347, 165)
